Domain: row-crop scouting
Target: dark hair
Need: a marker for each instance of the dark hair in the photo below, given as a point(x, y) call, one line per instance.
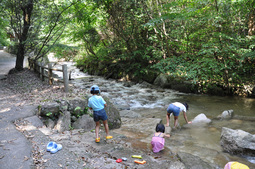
point(186, 105)
point(160, 128)
point(93, 91)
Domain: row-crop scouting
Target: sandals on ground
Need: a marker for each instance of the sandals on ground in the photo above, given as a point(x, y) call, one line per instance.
point(108, 137)
point(98, 140)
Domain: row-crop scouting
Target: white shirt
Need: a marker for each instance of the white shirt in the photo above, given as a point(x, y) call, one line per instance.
point(181, 106)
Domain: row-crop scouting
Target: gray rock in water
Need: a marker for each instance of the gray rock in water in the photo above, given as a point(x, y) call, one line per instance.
point(201, 118)
point(237, 142)
point(227, 114)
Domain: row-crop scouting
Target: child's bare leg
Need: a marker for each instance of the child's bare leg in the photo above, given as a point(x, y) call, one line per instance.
point(175, 121)
point(97, 129)
point(106, 127)
point(167, 119)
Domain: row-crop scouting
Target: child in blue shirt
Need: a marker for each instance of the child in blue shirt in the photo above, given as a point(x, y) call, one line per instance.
point(97, 104)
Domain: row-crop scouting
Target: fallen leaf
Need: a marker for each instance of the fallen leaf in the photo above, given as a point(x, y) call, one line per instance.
point(26, 158)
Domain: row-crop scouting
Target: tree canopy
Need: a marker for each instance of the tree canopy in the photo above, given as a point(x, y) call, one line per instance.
point(203, 41)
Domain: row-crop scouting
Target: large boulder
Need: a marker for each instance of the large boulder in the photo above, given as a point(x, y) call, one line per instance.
point(113, 114)
point(78, 102)
point(201, 118)
point(48, 109)
point(84, 122)
point(162, 81)
point(194, 162)
point(166, 81)
point(237, 142)
point(150, 76)
point(63, 122)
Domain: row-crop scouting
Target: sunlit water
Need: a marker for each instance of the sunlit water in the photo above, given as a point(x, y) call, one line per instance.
point(202, 140)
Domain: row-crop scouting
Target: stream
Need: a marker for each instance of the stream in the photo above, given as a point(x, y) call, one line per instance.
point(151, 102)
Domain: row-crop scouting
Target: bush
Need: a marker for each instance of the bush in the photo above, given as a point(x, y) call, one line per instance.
point(64, 51)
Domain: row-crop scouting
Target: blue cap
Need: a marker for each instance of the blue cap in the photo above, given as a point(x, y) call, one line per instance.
point(95, 87)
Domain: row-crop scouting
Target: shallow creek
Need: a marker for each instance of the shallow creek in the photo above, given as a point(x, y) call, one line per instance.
point(200, 140)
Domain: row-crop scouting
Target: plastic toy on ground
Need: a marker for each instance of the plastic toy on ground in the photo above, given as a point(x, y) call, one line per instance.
point(124, 158)
point(119, 160)
point(140, 162)
point(137, 156)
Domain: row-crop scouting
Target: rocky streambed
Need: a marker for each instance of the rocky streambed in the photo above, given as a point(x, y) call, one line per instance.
point(81, 151)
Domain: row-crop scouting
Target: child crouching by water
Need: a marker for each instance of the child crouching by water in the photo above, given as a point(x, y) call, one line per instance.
point(158, 139)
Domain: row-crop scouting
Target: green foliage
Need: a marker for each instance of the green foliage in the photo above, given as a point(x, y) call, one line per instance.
point(49, 114)
point(119, 49)
point(36, 25)
point(203, 41)
point(4, 41)
point(77, 108)
point(78, 112)
point(70, 127)
point(64, 51)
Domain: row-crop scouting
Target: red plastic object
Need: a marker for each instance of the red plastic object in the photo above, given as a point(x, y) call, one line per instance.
point(119, 160)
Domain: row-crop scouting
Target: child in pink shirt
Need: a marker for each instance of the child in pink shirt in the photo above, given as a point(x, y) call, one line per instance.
point(158, 139)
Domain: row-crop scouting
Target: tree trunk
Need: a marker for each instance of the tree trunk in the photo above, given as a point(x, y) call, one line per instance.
point(20, 57)
point(27, 12)
point(251, 23)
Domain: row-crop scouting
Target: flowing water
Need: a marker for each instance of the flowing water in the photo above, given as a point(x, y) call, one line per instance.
point(200, 139)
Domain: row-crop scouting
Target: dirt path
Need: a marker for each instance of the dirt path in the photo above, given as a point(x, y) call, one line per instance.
point(7, 62)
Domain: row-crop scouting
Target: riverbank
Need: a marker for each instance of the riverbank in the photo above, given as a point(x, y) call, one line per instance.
point(24, 91)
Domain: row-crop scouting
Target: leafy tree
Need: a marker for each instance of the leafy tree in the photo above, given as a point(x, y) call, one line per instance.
point(37, 24)
point(210, 46)
point(3, 33)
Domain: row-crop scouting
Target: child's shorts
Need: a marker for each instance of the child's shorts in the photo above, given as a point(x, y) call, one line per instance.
point(173, 109)
point(100, 115)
